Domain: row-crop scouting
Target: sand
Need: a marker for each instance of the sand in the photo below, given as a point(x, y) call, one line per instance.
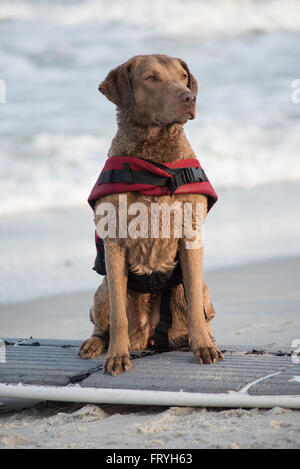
point(93, 426)
point(256, 304)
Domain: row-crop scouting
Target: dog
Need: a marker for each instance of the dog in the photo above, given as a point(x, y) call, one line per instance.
point(155, 96)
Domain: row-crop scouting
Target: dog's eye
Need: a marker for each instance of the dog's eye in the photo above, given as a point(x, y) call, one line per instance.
point(151, 78)
point(184, 76)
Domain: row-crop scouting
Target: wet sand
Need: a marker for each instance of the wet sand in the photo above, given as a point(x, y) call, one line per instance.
point(256, 304)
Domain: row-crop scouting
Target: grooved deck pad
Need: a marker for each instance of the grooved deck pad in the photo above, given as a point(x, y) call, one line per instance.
point(55, 362)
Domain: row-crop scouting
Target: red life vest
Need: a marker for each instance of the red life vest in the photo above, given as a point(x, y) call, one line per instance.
point(128, 174)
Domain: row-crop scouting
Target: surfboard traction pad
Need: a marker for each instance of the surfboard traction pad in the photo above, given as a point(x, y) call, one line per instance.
point(56, 363)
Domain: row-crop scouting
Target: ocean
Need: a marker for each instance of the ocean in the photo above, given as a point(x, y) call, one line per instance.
point(56, 128)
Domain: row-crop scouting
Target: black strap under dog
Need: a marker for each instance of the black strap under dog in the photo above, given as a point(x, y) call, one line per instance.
point(161, 340)
point(154, 283)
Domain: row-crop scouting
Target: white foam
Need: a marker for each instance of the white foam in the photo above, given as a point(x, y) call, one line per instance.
point(248, 156)
point(58, 171)
point(247, 129)
point(194, 17)
point(55, 171)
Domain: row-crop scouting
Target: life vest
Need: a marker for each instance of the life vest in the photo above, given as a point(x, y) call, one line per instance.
point(128, 174)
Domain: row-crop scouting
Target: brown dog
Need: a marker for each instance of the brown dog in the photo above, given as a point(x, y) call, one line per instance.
point(155, 95)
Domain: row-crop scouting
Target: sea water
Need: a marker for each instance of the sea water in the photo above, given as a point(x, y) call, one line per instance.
point(56, 128)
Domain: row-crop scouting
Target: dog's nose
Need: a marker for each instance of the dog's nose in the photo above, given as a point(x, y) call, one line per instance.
point(188, 98)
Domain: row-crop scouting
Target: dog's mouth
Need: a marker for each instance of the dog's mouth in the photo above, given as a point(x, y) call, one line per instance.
point(181, 119)
point(190, 115)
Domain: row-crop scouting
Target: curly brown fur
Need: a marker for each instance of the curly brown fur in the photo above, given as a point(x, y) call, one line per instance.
point(155, 95)
point(141, 320)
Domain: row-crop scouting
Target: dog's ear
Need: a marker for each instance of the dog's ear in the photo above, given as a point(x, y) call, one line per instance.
point(117, 88)
point(192, 82)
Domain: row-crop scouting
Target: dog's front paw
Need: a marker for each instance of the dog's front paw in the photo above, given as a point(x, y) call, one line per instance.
point(206, 353)
point(116, 363)
point(91, 348)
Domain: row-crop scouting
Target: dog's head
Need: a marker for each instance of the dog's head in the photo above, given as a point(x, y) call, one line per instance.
point(152, 90)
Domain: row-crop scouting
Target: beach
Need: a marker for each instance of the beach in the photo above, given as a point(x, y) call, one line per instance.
point(56, 130)
point(112, 427)
point(49, 252)
point(251, 267)
point(257, 304)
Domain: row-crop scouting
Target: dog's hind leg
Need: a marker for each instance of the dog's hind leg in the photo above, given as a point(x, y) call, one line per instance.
point(99, 316)
point(178, 333)
point(139, 306)
point(208, 310)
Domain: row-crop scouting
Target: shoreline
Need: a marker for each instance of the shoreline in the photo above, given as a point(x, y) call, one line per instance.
point(256, 304)
point(52, 252)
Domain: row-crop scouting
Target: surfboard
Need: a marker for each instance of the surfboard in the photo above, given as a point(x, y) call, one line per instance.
point(264, 376)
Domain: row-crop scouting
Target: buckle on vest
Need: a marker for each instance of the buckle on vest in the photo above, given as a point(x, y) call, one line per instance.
point(128, 179)
point(186, 176)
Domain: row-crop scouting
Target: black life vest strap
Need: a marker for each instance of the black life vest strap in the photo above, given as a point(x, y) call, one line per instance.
point(180, 176)
point(154, 283)
point(131, 177)
point(161, 339)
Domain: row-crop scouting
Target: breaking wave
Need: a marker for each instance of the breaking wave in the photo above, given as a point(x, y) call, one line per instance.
point(192, 17)
point(59, 171)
